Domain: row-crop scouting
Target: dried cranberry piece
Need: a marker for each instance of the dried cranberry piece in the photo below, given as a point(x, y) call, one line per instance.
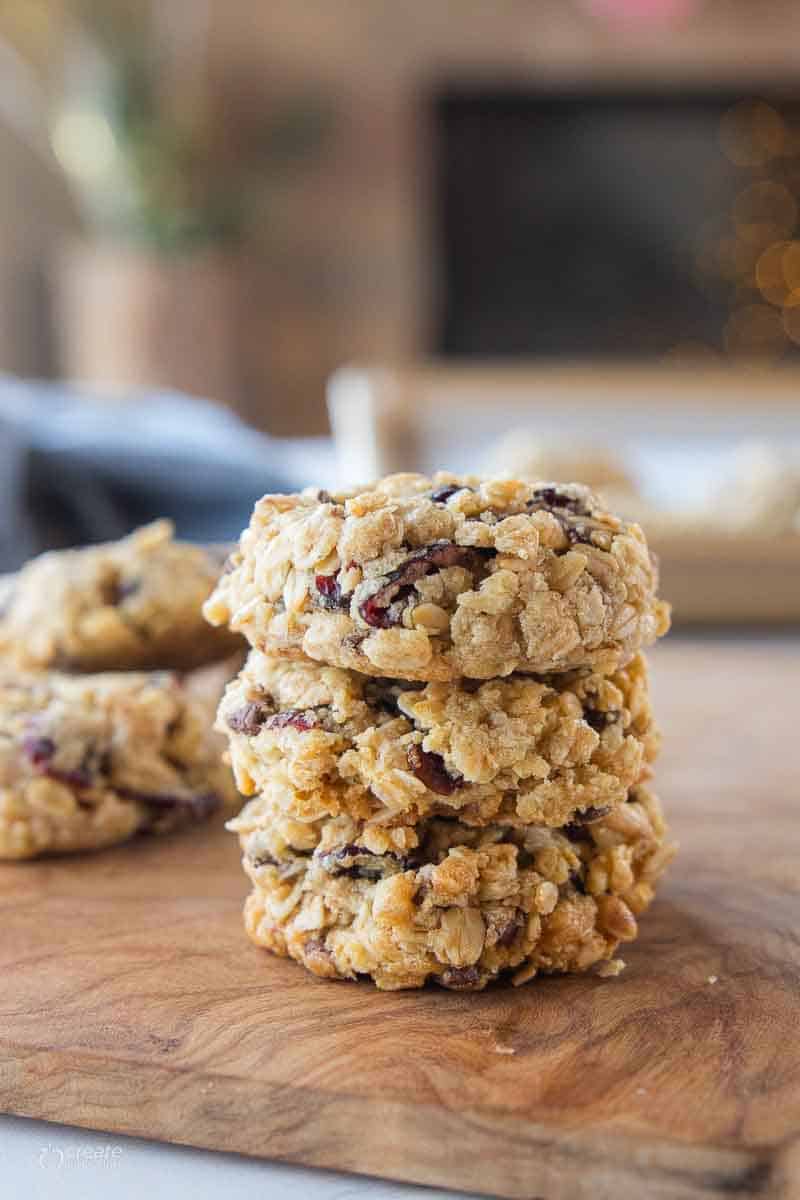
point(378, 694)
point(457, 978)
point(314, 947)
point(359, 863)
point(330, 592)
point(40, 752)
point(349, 850)
point(443, 494)
point(327, 585)
point(79, 777)
point(430, 769)
point(508, 931)
point(128, 587)
point(292, 718)
point(248, 719)
point(121, 589)
point(376, 610)
point(563, 507)
point(576, 830)
point(600, 720)
point(199, 806)
point(264, 860)
point(593, 813)
point(376, 616)
point(551, 497)
point(286, 866)
point(579, 535)
point(38, 749)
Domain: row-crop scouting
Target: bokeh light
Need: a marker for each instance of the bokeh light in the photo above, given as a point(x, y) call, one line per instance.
point(770, 276)
point(754, 254)
point(778, 272)
point(751, 133)
point(755, 331)
point(750, 243)
point(791, 317)
point(791, 266)
point(766, 203)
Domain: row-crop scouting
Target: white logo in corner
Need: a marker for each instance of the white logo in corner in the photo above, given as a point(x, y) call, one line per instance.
point(51, 1156)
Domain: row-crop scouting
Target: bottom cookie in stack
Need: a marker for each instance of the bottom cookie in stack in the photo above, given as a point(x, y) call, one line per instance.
point(448, 902)
point(87, 761)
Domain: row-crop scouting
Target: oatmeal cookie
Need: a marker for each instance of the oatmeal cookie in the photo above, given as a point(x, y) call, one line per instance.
point(127, 605)
point(461, 906)
point(527, 750)
point(88, 760)
point(435, 579)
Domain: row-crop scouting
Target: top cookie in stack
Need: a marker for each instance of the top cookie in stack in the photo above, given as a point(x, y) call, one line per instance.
point(435, 579)
point(455, 788)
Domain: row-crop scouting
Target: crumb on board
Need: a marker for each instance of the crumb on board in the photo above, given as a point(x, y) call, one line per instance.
point(713, 978)
point(498, 1049)
point(607, 970)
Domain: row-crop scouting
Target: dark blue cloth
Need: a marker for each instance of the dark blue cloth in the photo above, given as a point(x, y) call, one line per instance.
point(77, 469)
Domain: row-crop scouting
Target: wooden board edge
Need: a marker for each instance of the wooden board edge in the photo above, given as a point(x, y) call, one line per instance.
point(487, 1152)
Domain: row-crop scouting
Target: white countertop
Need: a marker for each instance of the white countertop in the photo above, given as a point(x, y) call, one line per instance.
point(40, 1161)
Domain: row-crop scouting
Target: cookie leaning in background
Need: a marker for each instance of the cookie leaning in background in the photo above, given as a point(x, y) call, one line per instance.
point(456, 905)
point(89, 760)
point(522, 750)
point(127, 605)
point(434, 579)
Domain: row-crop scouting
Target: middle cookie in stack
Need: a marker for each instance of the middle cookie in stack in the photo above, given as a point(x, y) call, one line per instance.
point(327, 742)
point(451, 828)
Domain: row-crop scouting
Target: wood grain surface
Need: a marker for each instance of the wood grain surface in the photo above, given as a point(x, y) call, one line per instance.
point(130, 1000)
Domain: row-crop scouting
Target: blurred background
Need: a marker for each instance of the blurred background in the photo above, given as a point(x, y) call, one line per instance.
point(230, 200)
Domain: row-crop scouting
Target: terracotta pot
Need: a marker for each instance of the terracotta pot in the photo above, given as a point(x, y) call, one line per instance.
point(128, 318)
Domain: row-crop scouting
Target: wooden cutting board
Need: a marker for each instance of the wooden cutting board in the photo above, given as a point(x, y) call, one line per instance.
point(130, 1000)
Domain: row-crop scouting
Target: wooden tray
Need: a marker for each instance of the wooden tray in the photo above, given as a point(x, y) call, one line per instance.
point(714, 579)
point(132, 1002)
point(420, 416)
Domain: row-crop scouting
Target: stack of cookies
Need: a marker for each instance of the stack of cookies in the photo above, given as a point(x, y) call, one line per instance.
point(444, 727)
point(108, 681)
